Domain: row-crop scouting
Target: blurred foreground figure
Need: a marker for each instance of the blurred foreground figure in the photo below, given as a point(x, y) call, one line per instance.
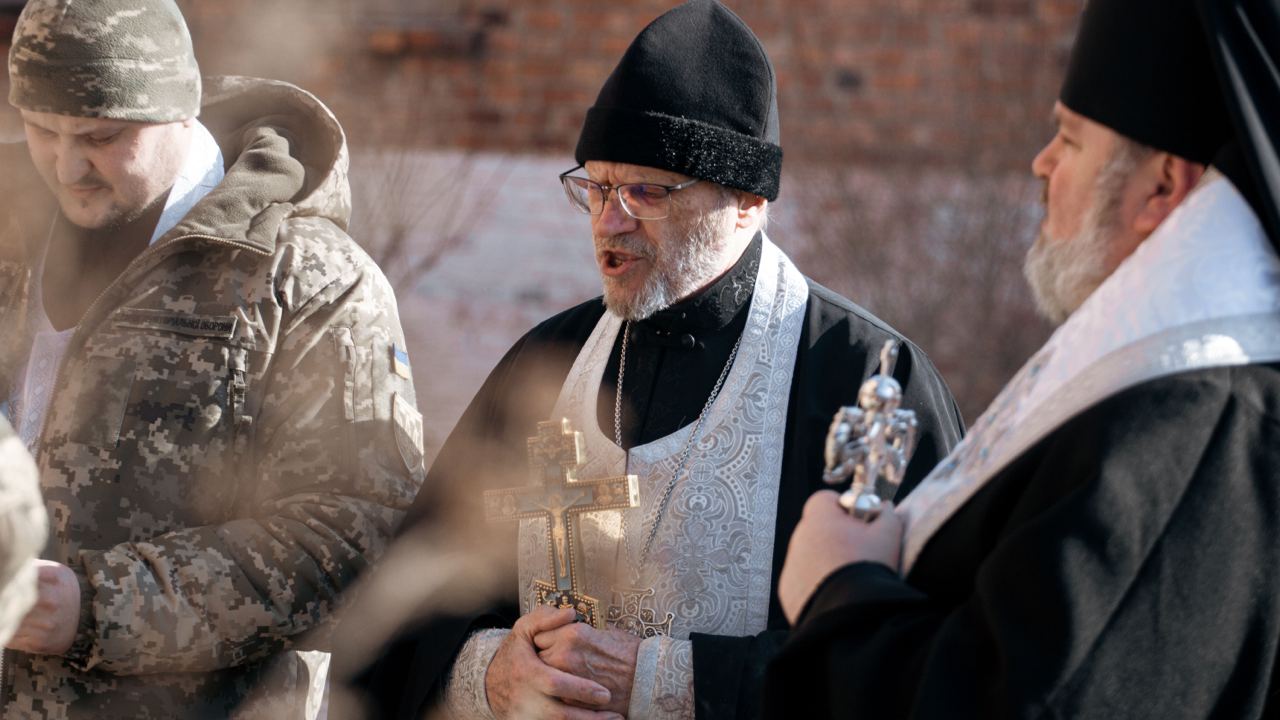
point(710, 370)
point(207, 369)
point(1102, 544)
point(23, 528)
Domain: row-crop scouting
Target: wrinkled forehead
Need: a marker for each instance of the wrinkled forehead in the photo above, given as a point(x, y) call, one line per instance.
point(613, 173)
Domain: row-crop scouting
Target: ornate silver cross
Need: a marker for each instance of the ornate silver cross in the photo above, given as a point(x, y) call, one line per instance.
point(558, 496)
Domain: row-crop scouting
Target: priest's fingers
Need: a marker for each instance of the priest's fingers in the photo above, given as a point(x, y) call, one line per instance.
point(542, 619)
point(824, 503)
point(605, 656)
point(567, 634)
point(516, 684)
point(570, 688)
point(881, 539)
point(548, 638)
point(518, 680)
point(827, 539)
point(588, 651)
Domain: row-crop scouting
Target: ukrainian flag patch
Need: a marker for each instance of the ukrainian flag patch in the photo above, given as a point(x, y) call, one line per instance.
point(400, 363)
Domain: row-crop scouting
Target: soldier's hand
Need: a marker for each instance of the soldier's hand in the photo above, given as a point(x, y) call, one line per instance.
point(520, 685)
point(606, 656)
point(828, 538)
point(50, 627)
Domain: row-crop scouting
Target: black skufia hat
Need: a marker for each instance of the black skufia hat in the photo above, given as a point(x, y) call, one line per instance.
point(694, 94)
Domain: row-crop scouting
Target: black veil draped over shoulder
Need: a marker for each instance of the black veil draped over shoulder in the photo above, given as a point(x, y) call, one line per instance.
point(1244, 38)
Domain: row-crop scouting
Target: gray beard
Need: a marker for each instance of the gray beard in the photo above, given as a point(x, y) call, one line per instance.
point(674, 276)
point(1064, 273)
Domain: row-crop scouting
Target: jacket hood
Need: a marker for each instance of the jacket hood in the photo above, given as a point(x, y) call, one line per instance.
point(286, 157)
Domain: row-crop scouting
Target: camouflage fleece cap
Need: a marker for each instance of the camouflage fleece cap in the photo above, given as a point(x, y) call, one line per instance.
point(118, 59)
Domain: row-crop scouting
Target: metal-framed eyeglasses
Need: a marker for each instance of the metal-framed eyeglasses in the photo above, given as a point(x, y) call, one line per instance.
point(642, 201)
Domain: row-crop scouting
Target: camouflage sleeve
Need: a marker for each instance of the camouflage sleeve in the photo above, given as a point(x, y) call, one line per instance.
point(336, 459)
point(23, 527)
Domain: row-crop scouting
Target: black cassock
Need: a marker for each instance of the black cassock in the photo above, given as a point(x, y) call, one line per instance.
point(673, 361)
point(1127, 566)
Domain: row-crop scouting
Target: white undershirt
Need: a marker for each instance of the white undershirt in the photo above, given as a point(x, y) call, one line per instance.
point(29, 402)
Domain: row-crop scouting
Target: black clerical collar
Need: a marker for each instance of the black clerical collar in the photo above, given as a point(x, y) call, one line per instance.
point(712, 309)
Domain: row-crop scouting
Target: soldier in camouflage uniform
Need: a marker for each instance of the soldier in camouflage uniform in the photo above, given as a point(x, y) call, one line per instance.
point(22, 531)
point(229, 433)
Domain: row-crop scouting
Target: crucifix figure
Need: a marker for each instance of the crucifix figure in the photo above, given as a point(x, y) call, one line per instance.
point(558, 496)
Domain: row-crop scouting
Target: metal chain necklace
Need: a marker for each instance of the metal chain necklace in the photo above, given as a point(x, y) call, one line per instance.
point(688, 446)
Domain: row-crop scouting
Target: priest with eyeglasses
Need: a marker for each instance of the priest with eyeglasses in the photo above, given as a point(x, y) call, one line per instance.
point(710, 370)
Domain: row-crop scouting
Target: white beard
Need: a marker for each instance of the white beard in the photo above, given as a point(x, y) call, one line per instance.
point(690, 258)
point(1063, 273)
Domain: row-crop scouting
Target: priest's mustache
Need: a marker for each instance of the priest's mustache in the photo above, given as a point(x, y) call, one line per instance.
point(628, 244)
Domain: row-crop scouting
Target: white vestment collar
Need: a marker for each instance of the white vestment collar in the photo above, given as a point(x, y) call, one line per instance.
point(1202, 291)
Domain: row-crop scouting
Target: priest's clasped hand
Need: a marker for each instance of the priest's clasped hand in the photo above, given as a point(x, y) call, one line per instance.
point(827, 539)
point(605, 656)
point(520, 684)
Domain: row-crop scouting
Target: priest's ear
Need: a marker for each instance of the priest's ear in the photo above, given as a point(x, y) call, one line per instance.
point(1165, 181)
point(751, 210)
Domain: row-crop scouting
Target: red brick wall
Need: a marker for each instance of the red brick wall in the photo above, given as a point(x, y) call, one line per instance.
point(935, 82)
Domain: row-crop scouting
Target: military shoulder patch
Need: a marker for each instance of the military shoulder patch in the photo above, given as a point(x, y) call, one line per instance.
point(400, 363)
point(408, 429)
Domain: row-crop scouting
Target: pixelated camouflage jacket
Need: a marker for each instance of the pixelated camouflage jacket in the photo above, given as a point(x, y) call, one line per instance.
point(233, 433)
